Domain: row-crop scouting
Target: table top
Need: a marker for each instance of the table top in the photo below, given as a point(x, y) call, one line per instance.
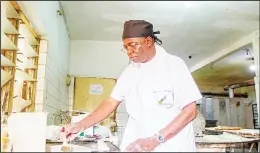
point(248, 133)
point(89, 145)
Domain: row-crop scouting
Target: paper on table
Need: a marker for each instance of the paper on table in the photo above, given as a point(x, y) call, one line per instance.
point(28, 131)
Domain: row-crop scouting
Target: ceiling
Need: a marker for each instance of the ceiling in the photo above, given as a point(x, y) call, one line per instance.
point(194, 28)
point(234, 68)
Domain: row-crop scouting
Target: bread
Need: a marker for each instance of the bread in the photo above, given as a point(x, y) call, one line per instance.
point(227, 128)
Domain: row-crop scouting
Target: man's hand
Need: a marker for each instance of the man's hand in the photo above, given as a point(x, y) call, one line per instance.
point(143, 145)
point(73, 129)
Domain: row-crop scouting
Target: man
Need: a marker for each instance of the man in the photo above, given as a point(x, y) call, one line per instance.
point(159, 93)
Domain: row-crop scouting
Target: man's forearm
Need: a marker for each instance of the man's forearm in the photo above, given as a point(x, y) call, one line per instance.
point(185, 117)
point(101, 113)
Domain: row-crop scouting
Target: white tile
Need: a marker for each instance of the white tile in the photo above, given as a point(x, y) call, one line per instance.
point(42, 59)
point(39, 97)
point(53, 102)
point(70, 107)
point(64, 99)
point(52, 65)
point(41, 71)
point(43, 46)
point(51, 77)
point(41, 84)
point(64, 107)
point(71, 101)
point(39, 108)
point(51, 89)
point(50, 111)
point(71, 92)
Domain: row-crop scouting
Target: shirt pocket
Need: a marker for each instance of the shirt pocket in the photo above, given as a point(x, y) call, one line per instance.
point(164, 98)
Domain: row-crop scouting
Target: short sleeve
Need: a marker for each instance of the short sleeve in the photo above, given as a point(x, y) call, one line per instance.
point(122, 86)
point(187, 89)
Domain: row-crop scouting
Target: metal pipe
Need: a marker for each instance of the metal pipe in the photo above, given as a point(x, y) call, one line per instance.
point(231, 87)
point(239, 85)
point(231, 92)
point(245, 95)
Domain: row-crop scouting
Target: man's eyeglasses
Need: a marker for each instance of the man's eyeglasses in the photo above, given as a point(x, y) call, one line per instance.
point(132, 46)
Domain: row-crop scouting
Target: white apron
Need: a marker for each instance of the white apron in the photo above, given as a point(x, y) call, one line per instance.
point(147, 116)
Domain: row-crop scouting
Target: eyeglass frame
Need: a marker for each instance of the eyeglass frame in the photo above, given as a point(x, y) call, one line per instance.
point(136, 46)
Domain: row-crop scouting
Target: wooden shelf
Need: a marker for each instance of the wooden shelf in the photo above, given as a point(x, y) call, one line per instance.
point(6, 43)
point(26, 49)
point(7, 27)
point(19, 104)
point(8, 10)
point(25, 32)
point(21, 75)
point(5, 77)
point(26, 63)
point(6, 62)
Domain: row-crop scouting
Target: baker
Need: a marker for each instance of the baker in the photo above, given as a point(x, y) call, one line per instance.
point(159, 93)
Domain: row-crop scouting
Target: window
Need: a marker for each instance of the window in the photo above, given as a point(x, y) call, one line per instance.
point(19, 60)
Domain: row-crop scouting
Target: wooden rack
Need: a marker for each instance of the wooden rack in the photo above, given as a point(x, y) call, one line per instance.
point(19, 59)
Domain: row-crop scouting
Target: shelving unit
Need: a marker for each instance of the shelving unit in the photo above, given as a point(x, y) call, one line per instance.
point(19, 59)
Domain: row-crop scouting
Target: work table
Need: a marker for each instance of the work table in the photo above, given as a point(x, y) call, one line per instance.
point(91, 145)
point(229, 139)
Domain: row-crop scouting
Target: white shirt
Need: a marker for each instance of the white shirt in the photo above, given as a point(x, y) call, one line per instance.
point(142, 86)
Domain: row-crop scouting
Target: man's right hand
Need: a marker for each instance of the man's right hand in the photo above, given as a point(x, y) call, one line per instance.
point(73, 129)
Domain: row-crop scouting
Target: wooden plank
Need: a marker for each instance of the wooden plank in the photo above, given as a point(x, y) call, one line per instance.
point(28, 36)
point(23, 76)
point(14, 22)
point(8, 10)
point(5, 61)
point(7, 27)
point(5, 77)
point(6, 43)
point(26, 49)
point(24, 62)
point(19, 104)
point(23, 18)
point(34, 86)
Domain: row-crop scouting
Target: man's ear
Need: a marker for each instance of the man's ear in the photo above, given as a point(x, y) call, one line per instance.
point(149, 41)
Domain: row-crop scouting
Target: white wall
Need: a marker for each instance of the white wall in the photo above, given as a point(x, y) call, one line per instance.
point(97, 58)
point(52, 93)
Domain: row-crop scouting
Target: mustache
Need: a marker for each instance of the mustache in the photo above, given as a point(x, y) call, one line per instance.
point(132, 55)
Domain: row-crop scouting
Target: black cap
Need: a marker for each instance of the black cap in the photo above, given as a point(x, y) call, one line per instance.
point(140, 28)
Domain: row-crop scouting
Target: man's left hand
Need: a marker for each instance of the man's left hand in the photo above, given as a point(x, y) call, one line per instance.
point(143, 145)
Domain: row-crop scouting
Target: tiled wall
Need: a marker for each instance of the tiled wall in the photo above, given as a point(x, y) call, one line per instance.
point(52, 92)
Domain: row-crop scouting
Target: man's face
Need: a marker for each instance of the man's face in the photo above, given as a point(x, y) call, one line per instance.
point(138, 48)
